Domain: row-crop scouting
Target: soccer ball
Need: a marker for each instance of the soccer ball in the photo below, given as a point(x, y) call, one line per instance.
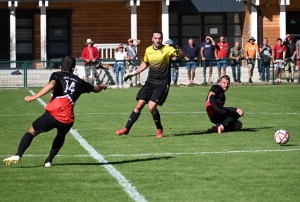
point(281, 136)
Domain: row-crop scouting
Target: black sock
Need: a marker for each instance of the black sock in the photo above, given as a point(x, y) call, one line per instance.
point(24, 143)
point(58, 142)
point(156, 118)
point(132, 119)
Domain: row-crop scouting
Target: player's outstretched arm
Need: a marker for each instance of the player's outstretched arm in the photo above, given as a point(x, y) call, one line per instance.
point(99, 88)
point(141, 68)
point(42, 92)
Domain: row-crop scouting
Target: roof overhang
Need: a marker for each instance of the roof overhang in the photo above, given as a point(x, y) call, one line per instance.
point(219, 6)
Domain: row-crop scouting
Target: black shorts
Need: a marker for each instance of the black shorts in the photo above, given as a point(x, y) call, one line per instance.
point(47, 122)
point(157, 93)
point(230, 112)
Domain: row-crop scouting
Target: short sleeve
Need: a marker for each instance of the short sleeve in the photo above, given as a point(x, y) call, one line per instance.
point(215, 89)
point(146, 57)
point(54, 77)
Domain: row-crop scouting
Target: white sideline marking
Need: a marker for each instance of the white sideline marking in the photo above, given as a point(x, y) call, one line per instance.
point(200, 153)
point(177, 153)
point(131, 191)
point(43, 155)
point(203, 112)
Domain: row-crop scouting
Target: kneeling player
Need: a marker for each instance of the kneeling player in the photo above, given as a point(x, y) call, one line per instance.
point(225, 118)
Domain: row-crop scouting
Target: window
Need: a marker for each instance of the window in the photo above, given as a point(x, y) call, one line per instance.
point(58, 33)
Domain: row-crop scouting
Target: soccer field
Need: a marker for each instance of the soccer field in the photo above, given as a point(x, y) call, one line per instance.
point(186, 165)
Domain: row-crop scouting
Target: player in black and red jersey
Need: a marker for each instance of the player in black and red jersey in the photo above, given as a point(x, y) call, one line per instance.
point(66, 89)
point(225, 118)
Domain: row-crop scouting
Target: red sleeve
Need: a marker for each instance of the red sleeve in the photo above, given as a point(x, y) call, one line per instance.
point(84, 56)
point(217, 47)
point(274, 48)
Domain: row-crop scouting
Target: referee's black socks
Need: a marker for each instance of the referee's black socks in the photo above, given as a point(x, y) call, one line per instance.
point(132, 119)
point(25, 143)
point(156, 118)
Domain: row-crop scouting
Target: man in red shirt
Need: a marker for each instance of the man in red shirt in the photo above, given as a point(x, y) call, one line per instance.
point(221, 51)
point(279, 53)
point(66, 89)
point(90, 54)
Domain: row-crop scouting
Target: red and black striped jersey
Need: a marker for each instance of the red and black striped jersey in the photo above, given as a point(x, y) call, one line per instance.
point(68, 89)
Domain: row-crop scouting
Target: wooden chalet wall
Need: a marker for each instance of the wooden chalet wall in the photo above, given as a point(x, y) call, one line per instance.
point(103, 22)
point(271, 20)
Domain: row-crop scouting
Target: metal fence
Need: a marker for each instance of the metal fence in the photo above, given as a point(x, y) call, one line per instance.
point(24, 74)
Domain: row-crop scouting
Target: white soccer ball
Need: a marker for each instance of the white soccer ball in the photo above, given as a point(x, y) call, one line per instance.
point(281, 136)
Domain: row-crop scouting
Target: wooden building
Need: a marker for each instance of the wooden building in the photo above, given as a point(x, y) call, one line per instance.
point(43, 30)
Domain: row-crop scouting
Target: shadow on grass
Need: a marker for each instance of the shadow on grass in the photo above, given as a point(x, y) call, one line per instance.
point(205, 133)
point(108, 163)
point(288, 145)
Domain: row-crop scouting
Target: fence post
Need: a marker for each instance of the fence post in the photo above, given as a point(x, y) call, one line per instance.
point(204, 72)
point(273, 74)
point(25, 74)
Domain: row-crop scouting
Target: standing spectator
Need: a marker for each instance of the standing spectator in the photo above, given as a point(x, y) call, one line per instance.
point(279, 54)
point(298, 58)
point(251, 52)
point(174, 64)
point(221, 51)
point(155, 91)
point(208, 55)
point(132, 56)
point(66, 88)
point(191, 56)
point(265, 53)
point(90, 54)
point(120, 66)
point(290, 56)
point(236, 54)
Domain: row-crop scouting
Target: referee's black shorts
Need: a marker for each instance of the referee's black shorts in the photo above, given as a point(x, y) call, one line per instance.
point(157, 93)
point(47, 122)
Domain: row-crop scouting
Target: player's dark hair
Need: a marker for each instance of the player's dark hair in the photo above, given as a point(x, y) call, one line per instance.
point(157, 32)
point(225, 77)
point(68, 63)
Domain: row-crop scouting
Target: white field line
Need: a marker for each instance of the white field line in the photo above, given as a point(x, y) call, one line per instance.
point(131, 190)
point(177, 153)
point(202, 153)
point(45, 155)
point(203, 112)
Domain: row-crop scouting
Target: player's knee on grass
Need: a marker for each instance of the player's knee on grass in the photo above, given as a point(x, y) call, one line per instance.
point(238, 125)
point(240, 112)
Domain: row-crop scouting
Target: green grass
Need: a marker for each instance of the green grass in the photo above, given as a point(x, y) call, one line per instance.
point(185, 165)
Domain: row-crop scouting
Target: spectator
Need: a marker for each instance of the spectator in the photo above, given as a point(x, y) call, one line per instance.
point(174, 64)
point(208, 55)
point(290, 56)
point(298, 58)
point(251, 52)
point(265, 53)
point(65, 89)
point(191, 56)
point(90, 54)
point(132, 56)
point(120, 66)
point(279, 54)
point(221, 51)
point(236, 54)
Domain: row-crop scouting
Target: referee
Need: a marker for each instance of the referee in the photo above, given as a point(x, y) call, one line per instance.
point(158, 58)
